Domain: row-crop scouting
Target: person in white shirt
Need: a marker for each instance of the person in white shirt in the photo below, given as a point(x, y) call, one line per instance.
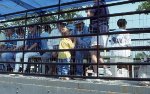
point(2, 37)
point(20, 45)
point(121, 40)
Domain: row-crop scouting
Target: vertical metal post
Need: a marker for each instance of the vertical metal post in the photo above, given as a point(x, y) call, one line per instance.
point(58, 20)
point(40, 65)
point(59, 9)
point(24, 41)
point(98, 31)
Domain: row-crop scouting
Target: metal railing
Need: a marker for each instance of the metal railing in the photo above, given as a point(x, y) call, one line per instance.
point(27, 16)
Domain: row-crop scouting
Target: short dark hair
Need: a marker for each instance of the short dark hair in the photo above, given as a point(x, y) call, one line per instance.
point(121, 22)
point(38, 27)
point(20, 30)
point(47, 28)
point(61, 24)
point(31, 26)
point(11, 29)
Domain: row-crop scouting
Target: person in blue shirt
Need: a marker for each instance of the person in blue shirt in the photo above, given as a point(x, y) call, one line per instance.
point(33, 44)
point(45, 33)
point(81, 42)
point(9, 46)
point(44, 46)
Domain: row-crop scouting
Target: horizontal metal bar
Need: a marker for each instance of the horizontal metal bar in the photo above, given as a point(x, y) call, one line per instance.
point(133, 48)
point(73, 63)
point(85, 77)
point(74, 10)
point(74, 2)
point(83, 18)
point(45, 7)
point(146, 39)
point(84, 35)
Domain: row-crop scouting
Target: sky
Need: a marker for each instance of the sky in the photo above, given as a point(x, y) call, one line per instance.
point(133, 21)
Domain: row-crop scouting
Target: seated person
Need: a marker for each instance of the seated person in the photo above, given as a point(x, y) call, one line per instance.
point(20, 46)
point(44, 44)
point(9, 45)
point(2, 37)
point(34, 44)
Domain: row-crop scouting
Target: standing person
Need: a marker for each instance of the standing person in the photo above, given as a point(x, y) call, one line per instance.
point(81, 42)
point(9, 45)
point(65, 56)
point(98, 25)
point(143, 71)
point(121, 40)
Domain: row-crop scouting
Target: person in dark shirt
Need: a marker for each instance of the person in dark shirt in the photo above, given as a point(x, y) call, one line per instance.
point(98, 24)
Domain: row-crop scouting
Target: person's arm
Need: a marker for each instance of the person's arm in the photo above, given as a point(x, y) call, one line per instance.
point(33, 46)
point(18, 48)
point(86, 40)
point(71, 43)
point(26, 47)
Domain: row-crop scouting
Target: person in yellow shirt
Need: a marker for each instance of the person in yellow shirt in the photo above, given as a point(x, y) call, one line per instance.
point(65, 56)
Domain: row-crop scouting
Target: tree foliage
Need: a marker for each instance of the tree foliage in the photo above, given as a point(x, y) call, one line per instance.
point(141, 55)
point(144, 6)
point(40, 19)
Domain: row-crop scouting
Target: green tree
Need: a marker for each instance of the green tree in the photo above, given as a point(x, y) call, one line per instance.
point(144, 6)
point(141, 55)
point(63, 16)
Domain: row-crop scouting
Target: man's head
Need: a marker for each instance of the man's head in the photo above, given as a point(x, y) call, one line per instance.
point(79, 25)
point(47, 28)
point(61, 25)
point(65, 31)
point(32, 28)
point(20, 31)
point(9, 32)
point(38, 28)
point(122, 23)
